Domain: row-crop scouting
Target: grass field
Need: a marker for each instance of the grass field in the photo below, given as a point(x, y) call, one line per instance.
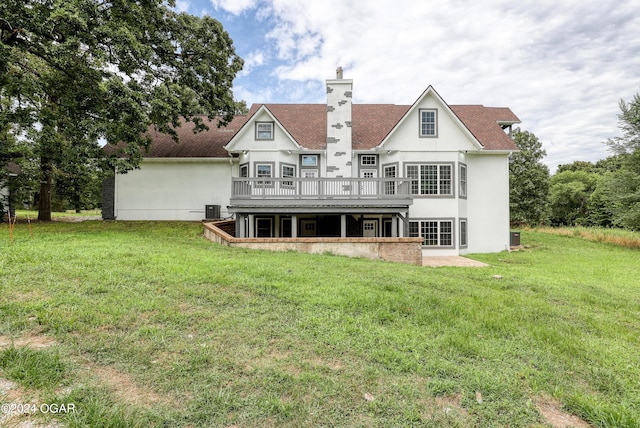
point(147, 324)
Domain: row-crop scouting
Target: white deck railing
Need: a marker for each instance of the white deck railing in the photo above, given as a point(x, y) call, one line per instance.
point(320, 188)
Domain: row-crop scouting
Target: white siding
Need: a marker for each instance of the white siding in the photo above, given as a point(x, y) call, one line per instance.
point(488, 203)
point(173, 190)
point(486, 207)
point(451, 135)
point(246, 140)
point(4, 198)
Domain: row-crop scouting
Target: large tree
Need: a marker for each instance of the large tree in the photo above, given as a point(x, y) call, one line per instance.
point(528, 181)
point(76, 72)
point(570, 193)
point(629, 124)
point(623, 187)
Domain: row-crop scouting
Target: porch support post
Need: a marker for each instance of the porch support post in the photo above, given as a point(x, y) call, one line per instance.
point(394, 226)
point(251, 233)
point(343, 226)
point(405, 225)
point(240, 226)
point(294, 226)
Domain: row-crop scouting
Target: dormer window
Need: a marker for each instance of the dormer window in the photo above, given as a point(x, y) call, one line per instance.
point(309, 160)
point(264, 130)
point(368, 160)
point(428, 123)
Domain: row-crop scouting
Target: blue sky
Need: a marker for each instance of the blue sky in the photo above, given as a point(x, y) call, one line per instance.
point(562, 66)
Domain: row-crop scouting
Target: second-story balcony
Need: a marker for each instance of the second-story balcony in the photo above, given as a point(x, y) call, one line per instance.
point(321, 191)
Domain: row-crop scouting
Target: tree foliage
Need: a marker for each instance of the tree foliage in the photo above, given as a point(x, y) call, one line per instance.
point(76, 72)
point(570, 192)
point(629, 124)
point(528, 180)
point(614, 200)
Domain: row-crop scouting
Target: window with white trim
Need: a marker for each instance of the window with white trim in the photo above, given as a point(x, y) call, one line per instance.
point(368, 160)
point(287, 171)
point(244, 170)
point(430, 179)
point(390, 171)
point(434, 233)
point(428, 122)
point(463, 233)
point(463, 180)
point(264, 170)
point(309, 160)
point(264, 130)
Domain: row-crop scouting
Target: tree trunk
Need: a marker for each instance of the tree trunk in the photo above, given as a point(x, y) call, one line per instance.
point(76, 196)
point(44, 204)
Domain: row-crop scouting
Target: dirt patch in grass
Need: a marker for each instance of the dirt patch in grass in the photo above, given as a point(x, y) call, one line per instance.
point(124, 388)
point(333, 365)
point(451, 405)
point(11, 393)
point(31, 340)
point(552, 411)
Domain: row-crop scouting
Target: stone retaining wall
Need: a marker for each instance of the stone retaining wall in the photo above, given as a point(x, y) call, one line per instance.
point(402, 250)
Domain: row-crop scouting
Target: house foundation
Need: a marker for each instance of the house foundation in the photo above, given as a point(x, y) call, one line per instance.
point(401, 250)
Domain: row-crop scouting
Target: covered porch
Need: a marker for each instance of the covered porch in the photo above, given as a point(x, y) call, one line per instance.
point(320, 225)
point(320, 207)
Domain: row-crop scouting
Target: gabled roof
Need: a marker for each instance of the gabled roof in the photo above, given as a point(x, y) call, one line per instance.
point(485, 124)
point(373, 122)
point(445, 108)
point(307, 123)
point(205, 144)
point(307, 126)
point(298, 124)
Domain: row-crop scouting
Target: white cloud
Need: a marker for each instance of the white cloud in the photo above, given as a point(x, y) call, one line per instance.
point(235, 7)
point(560, 66)
point(183, 5)
point(251, 61)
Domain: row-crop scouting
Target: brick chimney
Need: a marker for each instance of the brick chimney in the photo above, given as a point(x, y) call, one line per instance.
point(339, 126)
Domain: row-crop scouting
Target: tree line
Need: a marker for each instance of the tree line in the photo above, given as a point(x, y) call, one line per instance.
point(605, 193)
point(77, 74)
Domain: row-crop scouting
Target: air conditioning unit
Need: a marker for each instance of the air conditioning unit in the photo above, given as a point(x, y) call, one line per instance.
point(212, 212)
point(515, 239)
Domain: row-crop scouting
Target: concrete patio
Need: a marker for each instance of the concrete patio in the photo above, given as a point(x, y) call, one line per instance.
point(441, 261)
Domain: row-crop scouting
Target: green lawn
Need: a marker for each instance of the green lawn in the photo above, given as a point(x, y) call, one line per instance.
point(148, 324)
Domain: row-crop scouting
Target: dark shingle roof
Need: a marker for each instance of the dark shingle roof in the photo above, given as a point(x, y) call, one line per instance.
point(484, 124)
point(205, 144)
point(307, 124)
point(371, 123)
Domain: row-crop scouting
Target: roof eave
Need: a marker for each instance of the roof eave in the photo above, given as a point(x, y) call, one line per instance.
point(508, 122)
point(493, 152)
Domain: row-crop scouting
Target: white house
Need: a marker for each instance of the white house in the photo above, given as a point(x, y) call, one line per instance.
point(339, 169)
